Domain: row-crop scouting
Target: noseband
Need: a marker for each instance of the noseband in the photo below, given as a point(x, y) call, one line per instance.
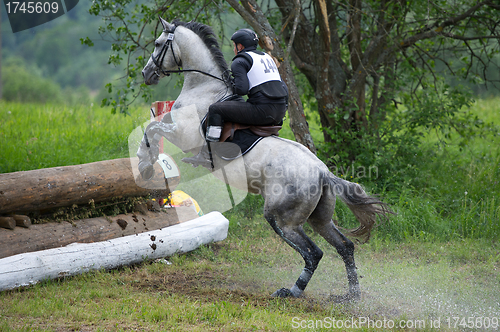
point(158, 60)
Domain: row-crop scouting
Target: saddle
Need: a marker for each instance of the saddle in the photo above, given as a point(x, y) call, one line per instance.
point(242, 138)
point(230, 128)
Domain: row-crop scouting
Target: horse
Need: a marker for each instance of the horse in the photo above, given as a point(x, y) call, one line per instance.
point(297, 187)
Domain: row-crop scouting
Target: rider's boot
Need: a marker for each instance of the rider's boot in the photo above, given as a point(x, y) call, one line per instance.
point(204, 157)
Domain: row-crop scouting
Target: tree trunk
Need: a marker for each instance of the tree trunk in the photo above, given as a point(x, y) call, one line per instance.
point(298, 122)
point(50, 188)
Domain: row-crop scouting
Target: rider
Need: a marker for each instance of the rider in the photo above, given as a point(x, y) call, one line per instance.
point(254, 74)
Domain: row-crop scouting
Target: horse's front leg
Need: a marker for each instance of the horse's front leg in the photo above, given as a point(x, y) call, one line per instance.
point(149, 148)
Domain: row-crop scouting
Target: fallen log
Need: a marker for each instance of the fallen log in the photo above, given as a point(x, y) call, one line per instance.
point(58, 234)
point(49, 188)
point(30, 268)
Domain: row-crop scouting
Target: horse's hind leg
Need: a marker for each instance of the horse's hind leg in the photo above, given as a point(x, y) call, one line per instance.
point(345, 248)
point(294, 235)
point(321, 222)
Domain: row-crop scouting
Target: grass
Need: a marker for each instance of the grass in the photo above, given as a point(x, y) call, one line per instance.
point(226, 286)
point(462, 182)
point(38, 136)
point(438, 258)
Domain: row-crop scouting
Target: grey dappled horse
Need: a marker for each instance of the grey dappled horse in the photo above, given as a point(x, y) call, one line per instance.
point(296, 185)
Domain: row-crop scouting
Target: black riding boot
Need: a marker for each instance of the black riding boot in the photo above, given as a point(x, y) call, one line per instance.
point(203, 158)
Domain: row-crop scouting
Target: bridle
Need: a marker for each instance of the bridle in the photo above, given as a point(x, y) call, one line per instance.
point(158, 60)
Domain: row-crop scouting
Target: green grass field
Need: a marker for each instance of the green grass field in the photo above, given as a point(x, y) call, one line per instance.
point(40, 136)
point(438, 260)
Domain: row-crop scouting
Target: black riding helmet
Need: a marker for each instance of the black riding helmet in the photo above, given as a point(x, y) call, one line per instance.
point(245, 37)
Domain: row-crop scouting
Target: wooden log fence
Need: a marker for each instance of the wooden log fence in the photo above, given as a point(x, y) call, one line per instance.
point(49, 188)
point(30, 268)
point(58, 234)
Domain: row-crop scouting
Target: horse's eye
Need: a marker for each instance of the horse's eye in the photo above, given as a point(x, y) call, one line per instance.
point(157, 44)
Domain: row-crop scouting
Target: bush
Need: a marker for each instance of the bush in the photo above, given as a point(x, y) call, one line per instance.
point(26, 84)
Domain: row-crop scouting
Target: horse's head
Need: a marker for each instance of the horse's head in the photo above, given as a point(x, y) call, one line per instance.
point(165, 57)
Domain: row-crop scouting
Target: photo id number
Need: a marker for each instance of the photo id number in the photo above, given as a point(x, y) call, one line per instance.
point(31, 7)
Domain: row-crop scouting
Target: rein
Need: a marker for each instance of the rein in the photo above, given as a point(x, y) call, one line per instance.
point(158, 60)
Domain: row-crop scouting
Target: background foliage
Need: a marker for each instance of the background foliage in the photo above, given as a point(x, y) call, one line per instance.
point(430, 148)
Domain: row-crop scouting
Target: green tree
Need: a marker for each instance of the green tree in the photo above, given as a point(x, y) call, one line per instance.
point(377, 68)
point(365, 58)
point(132, 28)
point(55, 49)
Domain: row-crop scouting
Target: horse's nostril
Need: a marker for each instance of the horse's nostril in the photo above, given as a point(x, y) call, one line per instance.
point(143, 75)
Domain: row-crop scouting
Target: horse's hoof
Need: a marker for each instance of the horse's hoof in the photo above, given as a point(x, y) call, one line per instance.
point(282, 293)
point(354, 297)
point(147, 170)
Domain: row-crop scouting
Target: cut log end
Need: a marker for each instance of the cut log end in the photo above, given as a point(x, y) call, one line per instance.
point(7, 222)
point(22, 221)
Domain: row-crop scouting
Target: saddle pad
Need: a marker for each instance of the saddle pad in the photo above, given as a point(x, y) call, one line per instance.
point(243, 141)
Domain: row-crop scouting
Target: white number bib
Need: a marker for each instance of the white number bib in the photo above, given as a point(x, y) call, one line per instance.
point(263, 70)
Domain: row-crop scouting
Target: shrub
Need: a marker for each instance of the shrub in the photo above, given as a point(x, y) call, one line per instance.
point(25, 84)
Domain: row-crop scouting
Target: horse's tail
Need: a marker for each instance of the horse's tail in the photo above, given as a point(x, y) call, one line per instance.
point(363, 206)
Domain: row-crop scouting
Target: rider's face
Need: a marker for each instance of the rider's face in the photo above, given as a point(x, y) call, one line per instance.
point(237, 48)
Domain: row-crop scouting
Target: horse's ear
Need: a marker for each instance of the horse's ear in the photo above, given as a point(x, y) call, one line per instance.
point(166, 26)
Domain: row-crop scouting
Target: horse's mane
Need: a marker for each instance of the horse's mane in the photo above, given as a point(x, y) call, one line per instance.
point(208, 36)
